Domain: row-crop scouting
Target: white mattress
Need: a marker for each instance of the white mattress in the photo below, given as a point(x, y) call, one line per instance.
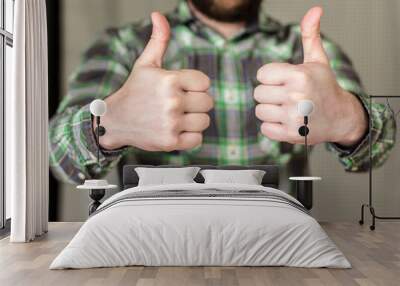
point(189, 231)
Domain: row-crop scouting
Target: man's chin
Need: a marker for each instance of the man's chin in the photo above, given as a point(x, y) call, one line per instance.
point(229, 11)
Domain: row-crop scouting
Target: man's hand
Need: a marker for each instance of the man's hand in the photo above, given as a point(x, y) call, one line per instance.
point(156, 109)
point(338, 115)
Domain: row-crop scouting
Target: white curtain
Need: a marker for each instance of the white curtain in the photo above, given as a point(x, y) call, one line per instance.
point(27, 124)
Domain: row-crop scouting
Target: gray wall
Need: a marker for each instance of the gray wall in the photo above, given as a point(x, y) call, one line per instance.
point(366, 29)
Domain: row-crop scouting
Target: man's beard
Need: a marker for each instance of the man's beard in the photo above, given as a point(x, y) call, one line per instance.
point(229, 11)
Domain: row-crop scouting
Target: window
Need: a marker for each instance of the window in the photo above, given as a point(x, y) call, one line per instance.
point(6, 44)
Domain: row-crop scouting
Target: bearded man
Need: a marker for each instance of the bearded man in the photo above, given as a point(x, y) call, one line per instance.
point(215, 82)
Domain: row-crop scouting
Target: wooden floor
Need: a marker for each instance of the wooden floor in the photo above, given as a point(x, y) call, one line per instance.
point(375, 257)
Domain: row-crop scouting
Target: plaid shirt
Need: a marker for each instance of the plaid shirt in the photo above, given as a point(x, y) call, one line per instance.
point(233, 136)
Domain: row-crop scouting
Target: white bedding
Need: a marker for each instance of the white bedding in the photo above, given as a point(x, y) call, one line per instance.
point(183, 231)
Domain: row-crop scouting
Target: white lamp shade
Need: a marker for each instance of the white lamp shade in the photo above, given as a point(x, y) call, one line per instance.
point(305, 107)
point(98, 107)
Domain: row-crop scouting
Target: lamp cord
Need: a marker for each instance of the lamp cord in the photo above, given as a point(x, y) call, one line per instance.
point(305, 138)
point(98, 139)
point(306, 149)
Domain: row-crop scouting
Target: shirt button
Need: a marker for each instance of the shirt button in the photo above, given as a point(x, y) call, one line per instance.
point(230, 97)
point(233, 152)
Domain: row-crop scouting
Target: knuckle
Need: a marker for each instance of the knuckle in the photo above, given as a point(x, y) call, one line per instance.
point(170, 80)
point(299, 121)
point(169, 143)
point(303, 78)
point(174, 103)
point(172, 126)
point(295, 120)
point(294, 136)
point(297, 96)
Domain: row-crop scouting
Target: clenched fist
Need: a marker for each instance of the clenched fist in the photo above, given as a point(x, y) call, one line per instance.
point(338, 115)
point(157, 109)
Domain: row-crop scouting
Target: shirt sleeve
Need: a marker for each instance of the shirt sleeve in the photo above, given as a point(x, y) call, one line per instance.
point(383, 131)
point(73, 148)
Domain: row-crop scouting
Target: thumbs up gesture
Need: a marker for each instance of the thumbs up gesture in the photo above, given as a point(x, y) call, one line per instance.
point(157, 109)
point(338, 115)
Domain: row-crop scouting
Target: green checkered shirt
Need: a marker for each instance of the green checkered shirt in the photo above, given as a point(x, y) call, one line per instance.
point(234, 136)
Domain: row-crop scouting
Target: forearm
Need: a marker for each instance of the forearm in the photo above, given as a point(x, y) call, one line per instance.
point(353, 152)
point(382, 134)
point(354, 121)
point(73, 148)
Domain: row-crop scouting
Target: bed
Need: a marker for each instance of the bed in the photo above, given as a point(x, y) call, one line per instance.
point(198, 224)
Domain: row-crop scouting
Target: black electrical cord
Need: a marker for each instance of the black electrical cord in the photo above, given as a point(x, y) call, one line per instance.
point(100, 131)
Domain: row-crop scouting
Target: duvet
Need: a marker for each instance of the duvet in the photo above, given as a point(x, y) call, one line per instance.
point(201, 224)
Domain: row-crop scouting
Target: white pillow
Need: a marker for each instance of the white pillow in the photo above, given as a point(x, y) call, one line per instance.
point(163, 176)
point(248, 177)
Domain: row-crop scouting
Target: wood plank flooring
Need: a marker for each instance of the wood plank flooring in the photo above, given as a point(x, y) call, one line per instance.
point(375, 257)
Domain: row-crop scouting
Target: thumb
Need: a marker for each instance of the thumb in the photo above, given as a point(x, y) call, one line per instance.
point(311, 37)
point(154, 51)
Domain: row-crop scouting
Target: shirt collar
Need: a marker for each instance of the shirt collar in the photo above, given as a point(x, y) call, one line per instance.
point(182, 13)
